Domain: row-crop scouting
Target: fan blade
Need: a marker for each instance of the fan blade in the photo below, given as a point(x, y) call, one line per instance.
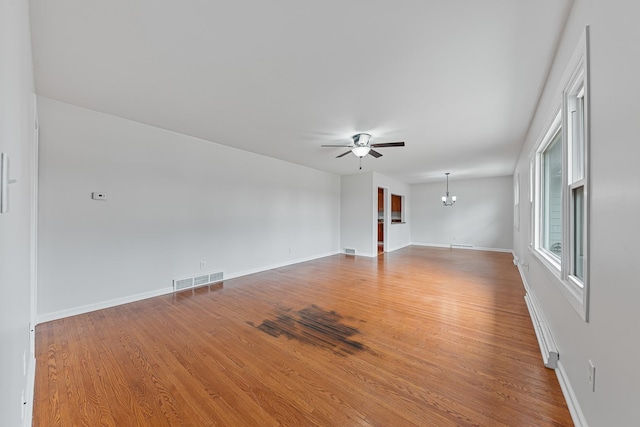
point(343, 154)
point(375, 154)
point(389, 144)
point(337, 145)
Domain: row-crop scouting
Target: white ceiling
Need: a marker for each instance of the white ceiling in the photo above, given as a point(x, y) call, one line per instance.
point(457, 80)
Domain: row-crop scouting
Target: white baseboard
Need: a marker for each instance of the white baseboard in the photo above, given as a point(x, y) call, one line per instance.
point(522, 276)
point(547, 345)
point(431, 245)
point(27, 421)
point(475, 248)
point(570, 397)
point(545, 339)
point(47, 317)
point(282, 264)
point(398, 247)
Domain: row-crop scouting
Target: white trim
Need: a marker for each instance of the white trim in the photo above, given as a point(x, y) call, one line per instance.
point(362, 254)
point(47, 317)
point(432, 245)
point(576, 73)
point(398, 247)
point(475, 248)
point(522, 276)
point(570, 397)
point(550, 123)
point(567, 391)
point(29, 393)
point(287, 263)
point(574, 296)
point(546, 343)
point(548, 349)
point(33, 259)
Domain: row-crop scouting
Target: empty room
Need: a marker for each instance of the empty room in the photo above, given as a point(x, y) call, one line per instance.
point(337, 213)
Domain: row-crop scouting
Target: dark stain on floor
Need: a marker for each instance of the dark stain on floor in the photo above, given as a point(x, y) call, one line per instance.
point(315, 326)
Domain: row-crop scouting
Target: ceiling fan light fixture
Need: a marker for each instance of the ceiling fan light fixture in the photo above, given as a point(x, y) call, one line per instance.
point(361, 139)
point(361, 150)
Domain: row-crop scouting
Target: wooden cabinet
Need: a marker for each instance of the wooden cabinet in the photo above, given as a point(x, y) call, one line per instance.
point(380, 232)
point(396, 208)
point(396, 203)
point(380, 200)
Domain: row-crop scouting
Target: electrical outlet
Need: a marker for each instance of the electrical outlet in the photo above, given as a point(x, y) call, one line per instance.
point(592, 376)
point(202, 265)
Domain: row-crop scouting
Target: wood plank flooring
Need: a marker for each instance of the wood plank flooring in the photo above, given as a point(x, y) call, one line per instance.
point(416, 337)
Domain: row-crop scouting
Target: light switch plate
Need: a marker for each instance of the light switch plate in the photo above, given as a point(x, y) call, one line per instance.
point(592, 376)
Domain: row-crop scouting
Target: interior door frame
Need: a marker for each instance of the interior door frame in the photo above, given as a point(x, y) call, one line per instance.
point(385, 219)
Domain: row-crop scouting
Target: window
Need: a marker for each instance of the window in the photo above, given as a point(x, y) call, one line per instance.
point(559, 176)
point(574, 99)
point(551, 197)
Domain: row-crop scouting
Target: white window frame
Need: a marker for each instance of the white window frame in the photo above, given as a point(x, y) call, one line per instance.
point(552, 262)
point(575, 83)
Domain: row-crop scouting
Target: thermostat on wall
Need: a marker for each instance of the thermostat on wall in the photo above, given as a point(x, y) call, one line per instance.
point(98, 196)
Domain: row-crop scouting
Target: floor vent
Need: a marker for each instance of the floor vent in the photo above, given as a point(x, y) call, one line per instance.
point(548, 347)
point(349, 251)
point(199, 280)
point(461, 246)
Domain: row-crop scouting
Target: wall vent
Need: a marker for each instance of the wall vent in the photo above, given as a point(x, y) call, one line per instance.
point(461, 246)
point(215, 277)
point(182, 284)
point(199, 280)
point(349, 251)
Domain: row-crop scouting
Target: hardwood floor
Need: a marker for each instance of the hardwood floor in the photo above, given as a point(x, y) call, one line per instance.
point(419, 336)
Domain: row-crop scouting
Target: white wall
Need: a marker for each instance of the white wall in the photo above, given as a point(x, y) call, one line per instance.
point(16, 139)
point(482, 215)
point(397, 235)
point(610, 338)
point(357, 213)
point(173, 201)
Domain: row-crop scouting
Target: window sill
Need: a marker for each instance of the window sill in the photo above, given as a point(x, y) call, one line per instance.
point(572, 293)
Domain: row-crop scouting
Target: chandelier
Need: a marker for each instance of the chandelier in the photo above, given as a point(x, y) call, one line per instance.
point(448, 200)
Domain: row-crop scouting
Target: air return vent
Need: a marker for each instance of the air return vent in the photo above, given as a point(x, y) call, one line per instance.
point(182, 284)
point(199, 280)
point(461, 246)
point(349, 251)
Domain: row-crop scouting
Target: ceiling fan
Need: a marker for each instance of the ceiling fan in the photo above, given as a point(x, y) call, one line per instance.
point(361, 147)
